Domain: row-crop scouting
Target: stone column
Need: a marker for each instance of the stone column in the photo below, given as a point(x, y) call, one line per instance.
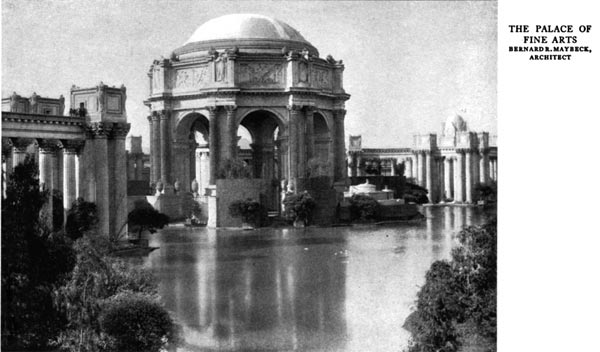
point(155, 148)
point(301, 135)
point(47, 164)
point(7, 157)
point(420, 169)
point(415, 167)
point(469, 177)
point(212, 143)
point(78, 176)
point(359, 171)
point(393, 164)
point(231, 133)
point(483, 166)
point(309, 113)
point(447, 179)
point(429, 176)
point(19, 151)
point(408, 167)
point(164, 148)
point(47, 150)
point(339, 146)
point(198, 170)
point(459, 177)
point(57, 180)
point(205, 172)
point(294, 116)
point(70, 173)
point(118, 179)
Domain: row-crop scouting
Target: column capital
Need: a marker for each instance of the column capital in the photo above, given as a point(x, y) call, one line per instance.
point(212, 109)
point(154, 117)
point(294, 108)
point(310, 108)
point(120, 130)
point(230, 108)
point(49, 145)
point(72, 146)
point(339, 113)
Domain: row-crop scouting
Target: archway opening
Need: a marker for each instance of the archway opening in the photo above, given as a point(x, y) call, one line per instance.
point(262, 128)
point(320, 163)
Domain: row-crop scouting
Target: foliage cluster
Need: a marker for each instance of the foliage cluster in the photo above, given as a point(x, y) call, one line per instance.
point(34, 261)
point(247, 209)
point(486, 192)
point(458, 300)
point(53, 290)
point(299, 207)
point(415, 194)
point(95, 279)
point(121, 318)
point(145, 217)
point(234, 169)
point(363, 207)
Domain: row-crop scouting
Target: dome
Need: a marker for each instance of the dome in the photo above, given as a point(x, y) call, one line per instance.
point(454, 124)
point(245, 31)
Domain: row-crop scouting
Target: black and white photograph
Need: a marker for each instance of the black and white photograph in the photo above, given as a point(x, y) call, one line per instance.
point(289, 175)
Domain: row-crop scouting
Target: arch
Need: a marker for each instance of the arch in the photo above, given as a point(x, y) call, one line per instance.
point(191, 121)
point(323, 138)
point(281, 120)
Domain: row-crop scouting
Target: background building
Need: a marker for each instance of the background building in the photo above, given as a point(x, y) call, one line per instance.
point(449, 165)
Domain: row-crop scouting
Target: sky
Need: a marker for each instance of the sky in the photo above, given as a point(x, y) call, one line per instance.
point(409, 65)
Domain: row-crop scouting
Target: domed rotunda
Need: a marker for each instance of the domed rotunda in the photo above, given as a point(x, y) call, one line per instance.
point(253, 73)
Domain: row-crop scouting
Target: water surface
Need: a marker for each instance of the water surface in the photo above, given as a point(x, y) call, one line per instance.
point(313, 289)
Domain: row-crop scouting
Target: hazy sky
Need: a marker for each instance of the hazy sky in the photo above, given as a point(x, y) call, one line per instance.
point(409, 65)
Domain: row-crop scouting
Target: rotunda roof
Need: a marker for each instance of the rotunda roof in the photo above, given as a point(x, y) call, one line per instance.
point(244, 31)
point(245, 26)
point(455, 124)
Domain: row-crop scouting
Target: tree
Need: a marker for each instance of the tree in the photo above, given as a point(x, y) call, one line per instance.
point(34, 261)
point(457, 304)
point(145, 217)
point(81, 218)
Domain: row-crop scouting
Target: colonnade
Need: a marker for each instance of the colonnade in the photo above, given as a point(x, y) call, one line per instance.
point(58, 164)
point(175, 157)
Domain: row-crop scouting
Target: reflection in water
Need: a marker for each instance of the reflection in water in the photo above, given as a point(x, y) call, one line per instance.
point(332, 289)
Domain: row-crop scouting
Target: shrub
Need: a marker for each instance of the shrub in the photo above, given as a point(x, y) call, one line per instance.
point(249, 210)
point(299, 207)
point(145, 217)
point(415, 194)
point(136, 323)
point(486, 192)
point(363, 207)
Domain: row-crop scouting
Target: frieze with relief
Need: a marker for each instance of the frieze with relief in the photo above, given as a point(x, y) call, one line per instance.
point(261, 73)
point(190, 78)
point(321, 78)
